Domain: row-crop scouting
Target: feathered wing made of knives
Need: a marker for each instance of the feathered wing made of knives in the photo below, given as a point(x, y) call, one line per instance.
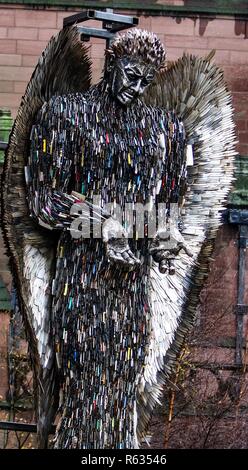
point(63, 67)
point(109, 310)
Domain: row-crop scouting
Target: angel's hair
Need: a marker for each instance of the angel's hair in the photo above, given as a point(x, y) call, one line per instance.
point(138, 43)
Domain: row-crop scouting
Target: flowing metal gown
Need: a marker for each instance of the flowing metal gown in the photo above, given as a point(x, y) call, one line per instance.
point(101, 314)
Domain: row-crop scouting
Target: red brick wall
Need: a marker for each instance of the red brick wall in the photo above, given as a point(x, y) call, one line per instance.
point(24, 33)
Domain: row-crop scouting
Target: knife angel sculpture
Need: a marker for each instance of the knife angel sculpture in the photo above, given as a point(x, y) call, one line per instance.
point(106, 315)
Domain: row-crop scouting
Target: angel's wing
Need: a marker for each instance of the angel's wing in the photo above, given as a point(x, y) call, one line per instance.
point(63, 67)
point(194, 88)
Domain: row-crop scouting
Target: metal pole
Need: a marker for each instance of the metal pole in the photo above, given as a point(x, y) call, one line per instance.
point(240, 311)
point(23, 427)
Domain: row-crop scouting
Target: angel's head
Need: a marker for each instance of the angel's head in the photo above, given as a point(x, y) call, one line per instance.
point(131, 64)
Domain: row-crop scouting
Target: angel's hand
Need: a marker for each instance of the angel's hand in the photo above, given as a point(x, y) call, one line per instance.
point(116, 240)
point(165, 247)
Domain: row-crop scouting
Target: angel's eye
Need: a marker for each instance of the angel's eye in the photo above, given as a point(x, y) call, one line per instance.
point(146, 81)
point(131, 75)
point(150, 77)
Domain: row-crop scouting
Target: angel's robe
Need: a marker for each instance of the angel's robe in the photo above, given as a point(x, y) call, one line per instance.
point(101, 316)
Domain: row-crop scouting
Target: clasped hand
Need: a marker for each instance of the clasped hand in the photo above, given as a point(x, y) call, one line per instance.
point(118, 251)
point(165, 247)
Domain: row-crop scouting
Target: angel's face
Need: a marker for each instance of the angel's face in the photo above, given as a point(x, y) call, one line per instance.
point(129, 79)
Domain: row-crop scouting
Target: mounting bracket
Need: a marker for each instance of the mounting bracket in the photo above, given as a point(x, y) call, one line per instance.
point(111, 23)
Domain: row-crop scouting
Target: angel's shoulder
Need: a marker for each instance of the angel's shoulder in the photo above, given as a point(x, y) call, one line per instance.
point(59, 104)
point(58, 108)
point(168, 119)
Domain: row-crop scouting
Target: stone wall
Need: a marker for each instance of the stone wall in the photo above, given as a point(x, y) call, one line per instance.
point(25, 31)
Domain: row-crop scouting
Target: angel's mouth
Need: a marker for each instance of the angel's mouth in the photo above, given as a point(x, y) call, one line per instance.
point(126, 96)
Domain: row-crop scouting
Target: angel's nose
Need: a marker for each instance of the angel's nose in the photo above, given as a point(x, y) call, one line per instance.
point(137, 86)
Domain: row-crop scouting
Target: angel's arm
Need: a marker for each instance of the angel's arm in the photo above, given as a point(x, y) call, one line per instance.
point(195, 88)
point(51, 167)
point(54, 160)
point(168, 241)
